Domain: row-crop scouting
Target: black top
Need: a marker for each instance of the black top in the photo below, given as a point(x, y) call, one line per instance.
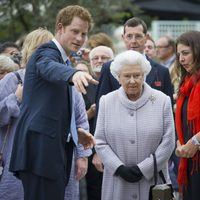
point(193, 191)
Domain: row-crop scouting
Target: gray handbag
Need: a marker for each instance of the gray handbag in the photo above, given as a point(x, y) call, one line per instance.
point(160, 191)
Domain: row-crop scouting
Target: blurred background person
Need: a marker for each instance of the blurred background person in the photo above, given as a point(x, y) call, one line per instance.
point(6, 65)
point(188, 114)
point(13, 50)
point(11, 91)
point(98, 56)
point(85, 67)
point(150, 47)
point(100, 39)
point(165, 51)
point(133, 122)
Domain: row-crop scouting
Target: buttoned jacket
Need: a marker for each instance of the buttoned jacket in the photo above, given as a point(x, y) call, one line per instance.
point(44, 121)
point(127, 133)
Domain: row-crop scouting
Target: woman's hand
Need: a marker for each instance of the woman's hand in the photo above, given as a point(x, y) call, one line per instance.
point(96, 161)
point(91, 111)
point(19, 92)
point(81, 168)
point(187, 150)
point(85, 138)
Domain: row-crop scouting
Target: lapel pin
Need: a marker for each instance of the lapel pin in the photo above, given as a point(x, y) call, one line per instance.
point(152, 98)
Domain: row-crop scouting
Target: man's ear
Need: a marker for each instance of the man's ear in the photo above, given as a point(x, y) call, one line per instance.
point(59, 27)
point(148, 35)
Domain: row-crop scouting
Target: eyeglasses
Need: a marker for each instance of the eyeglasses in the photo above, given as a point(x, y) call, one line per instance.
point(103, 58)
point(162, 47)
point(138, 37)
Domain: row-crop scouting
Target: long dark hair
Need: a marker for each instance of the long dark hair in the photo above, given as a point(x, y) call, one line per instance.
point(192, 40)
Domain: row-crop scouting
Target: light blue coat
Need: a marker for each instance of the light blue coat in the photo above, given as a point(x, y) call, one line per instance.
point(10, 186)
point(127, 133)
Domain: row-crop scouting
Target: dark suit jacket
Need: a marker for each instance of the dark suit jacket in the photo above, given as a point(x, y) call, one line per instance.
point(40, 141)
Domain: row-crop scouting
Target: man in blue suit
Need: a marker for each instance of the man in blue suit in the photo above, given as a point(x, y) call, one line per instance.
point(42, 150)
point(134, 37)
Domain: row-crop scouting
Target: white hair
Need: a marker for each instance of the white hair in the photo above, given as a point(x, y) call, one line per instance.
point(107, 49)
point(129, 57)
point(7, 64)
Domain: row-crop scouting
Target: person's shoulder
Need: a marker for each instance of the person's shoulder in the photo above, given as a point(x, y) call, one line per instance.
point(21, 71)
point(159, 95)
point(49, 44)
point(158, 65)
point(7, 83)
point(106, 66)
point(8, 78)
point(111, 96)
point(48, 48)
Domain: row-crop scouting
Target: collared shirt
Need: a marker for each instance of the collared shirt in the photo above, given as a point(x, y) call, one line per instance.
point(169, 62)
point(62, 51)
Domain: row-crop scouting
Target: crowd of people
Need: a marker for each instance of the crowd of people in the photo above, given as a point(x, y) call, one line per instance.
point(76, 116)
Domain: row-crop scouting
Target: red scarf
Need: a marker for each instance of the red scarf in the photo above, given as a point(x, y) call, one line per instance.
point(190, 88)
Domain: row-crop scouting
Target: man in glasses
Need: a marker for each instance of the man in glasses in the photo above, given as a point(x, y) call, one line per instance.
point(165, 50)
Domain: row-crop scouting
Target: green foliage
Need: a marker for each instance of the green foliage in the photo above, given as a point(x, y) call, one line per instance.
point(22, 16)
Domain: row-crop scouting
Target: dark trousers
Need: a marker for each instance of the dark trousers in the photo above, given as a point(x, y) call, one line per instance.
point(40, 188)
point(192, 192)
point(94, 181)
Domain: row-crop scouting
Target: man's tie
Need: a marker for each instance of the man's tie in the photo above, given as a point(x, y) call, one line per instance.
point(73, 131)
point(68, 62)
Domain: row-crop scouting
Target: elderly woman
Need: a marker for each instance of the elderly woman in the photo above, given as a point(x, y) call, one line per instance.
point(133, 122)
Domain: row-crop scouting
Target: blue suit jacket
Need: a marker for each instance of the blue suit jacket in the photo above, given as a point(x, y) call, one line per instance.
point(40, 140)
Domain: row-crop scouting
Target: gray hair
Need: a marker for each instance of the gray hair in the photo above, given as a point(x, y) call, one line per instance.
point(7, 64)
point(107, 49)
point(129, 57)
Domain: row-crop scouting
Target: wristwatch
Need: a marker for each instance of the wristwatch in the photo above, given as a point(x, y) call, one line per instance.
point(195, 141)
